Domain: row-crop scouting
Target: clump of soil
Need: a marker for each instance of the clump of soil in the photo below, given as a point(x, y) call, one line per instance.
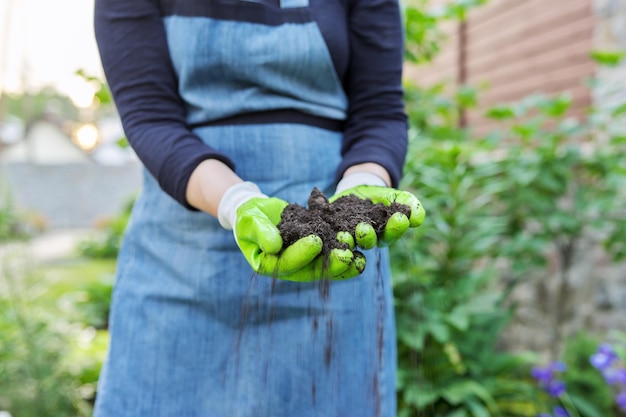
point(326, 219)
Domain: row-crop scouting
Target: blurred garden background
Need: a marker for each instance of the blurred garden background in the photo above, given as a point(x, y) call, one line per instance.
point(510, 299)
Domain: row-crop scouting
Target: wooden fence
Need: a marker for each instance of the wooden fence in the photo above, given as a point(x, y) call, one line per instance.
point(513, 48)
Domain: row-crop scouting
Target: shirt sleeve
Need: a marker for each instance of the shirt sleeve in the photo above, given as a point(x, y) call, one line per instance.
point(134, 53)
point(376, 126)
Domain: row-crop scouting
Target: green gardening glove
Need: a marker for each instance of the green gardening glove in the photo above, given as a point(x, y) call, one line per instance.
point(253, 216)
point(397, 224)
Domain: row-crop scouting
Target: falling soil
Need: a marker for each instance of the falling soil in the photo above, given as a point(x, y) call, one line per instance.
point(326, 219)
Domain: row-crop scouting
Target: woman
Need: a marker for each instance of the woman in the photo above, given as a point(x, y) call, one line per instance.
point(236, 108)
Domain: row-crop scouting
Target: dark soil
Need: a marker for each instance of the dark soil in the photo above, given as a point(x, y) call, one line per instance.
point(326, 220)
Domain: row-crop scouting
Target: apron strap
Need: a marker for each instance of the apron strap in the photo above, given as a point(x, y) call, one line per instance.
point(283, 4)
point(288, 4)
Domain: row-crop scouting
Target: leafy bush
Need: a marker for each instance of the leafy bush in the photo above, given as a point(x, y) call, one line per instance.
point(35, 380)
point(13, 225)
point(564, 186)
point(497, 205)
point(450, 312)
point(106, 242)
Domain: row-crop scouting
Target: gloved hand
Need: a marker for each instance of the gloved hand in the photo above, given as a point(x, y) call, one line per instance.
point(253, 217)
point(370, 187)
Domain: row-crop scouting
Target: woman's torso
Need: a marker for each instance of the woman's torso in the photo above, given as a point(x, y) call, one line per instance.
point(236, 57)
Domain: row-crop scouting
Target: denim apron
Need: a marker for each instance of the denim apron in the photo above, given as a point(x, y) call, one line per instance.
point(194, 332)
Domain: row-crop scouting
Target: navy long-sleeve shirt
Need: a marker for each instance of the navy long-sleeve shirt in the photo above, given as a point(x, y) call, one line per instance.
point(364, 38)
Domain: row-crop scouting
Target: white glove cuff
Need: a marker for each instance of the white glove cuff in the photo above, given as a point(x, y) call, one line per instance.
point(234, 197)
point(359, 178)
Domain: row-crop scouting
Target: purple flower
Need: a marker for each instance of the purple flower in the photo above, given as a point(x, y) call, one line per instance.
point(546, 375)
point(614, 376)
point(560, 412)
point(543, 375)
point(547, 378)
point(555, 388)
point(604, 357)
point(558, 366)
point(621, 400)
point(621, 376)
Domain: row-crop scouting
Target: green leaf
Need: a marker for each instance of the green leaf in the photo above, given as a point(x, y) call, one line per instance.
point(619, 110)
point(466, 96)
point(526, 130)
point(557, 106)
point(619, 139)
point(584, 407)
point(608, 58)
point(500, 113)
point(477, 409)
point(482, 302)
point(439, 331)
point(420, 397)
point(459, 318)
point(122, 143)
point(413, 339)
point(464, 390)
point(457, 413)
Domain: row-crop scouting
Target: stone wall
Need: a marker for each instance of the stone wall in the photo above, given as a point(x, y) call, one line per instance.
point(550, 306)
point(71, 195)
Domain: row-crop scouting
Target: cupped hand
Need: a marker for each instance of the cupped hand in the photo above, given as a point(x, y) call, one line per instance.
point(397, 224)
point(262, 245)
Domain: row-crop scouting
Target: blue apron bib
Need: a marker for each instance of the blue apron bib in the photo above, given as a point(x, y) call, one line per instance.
point(194, 332)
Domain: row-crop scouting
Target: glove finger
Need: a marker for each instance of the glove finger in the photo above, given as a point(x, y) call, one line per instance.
point(346, 237)
point(386, 196)
point(338, 262)
point(418, 213)
point(396, 226)
point(341, 264)
point(356, 267)
point(304, 275)
point(365, 235)
point(293, 258)
point(319, 268)
point(299, 254)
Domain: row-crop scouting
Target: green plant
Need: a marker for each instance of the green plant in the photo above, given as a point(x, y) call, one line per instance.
point(34, 342)
point(449, 310)
point(590, 394)
point(590, 381)
point(106, 242)
point(609, 360)
point(423, 25)
point(564, 182)
point(79, 289)
point(12, 224)
point(497, 206)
